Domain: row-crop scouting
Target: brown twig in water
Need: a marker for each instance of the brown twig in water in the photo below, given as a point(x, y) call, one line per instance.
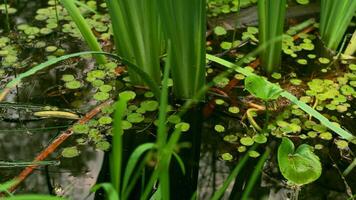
point(56, 143)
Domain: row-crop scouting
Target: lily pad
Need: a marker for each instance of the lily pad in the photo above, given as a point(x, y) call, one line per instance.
point(300, 166)
point(261, 88)
point(70, 152)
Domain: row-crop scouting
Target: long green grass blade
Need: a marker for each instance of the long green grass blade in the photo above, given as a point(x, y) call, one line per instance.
point(184, 23)
point(335, 16)
point(84, 28)
point(131, 164)
point(137, 35)
point(271, 15)
point(116, 152)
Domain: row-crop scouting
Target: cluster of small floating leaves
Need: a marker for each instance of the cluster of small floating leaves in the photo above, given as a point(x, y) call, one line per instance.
point(217, 7)
point(292, 47)
point(70, 82)
point(8, 51)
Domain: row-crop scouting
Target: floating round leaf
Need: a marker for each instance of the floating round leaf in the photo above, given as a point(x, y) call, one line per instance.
point(234, 109)
point(219, 101)
point(67, 77)
point(326, 136)
point(174, 119)
point(73, 84)
point(342, 144)
point(276, 75)
point(219, 30)
point(126, 125)
point(230, 138)
point(135, 118)
point(101, 96)
point(219, 128)
point(105, 88)
point(149, 105)
point(105, 120)
point(227, 156)
point(51, 49)
point(149, 94)
point(323, 60)
point(102, 145)
point(299, 166)
point(128, 95)
point(302, 61)
point(183, 126)
point(253, 154)
point(241, 149)
point(70, 152)
point(261, 88)
point(247, 141)
point(80, 128)
point(260, 138)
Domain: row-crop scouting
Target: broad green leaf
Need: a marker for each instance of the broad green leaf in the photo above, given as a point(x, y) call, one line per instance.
point(261, 88)
point(299, 166)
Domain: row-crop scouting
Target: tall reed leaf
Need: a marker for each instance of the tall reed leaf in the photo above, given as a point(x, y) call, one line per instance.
point(84, 28)
point(271, 15)
point(184, 26)
point(137, 35)
point(335, 16)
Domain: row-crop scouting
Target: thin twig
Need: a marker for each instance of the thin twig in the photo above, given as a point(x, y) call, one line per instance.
point(56, 143)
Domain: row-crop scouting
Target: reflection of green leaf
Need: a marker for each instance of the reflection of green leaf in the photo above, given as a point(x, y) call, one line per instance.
point(261, 88)
point(299, 166)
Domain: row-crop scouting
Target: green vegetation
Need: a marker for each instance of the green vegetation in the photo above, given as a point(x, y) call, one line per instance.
point(200, 97)
point(334, 20)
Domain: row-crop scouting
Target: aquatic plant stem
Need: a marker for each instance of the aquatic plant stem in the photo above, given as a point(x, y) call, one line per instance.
point(251, 119)
point(56, 143)
point(350, 168)
point(256, 172)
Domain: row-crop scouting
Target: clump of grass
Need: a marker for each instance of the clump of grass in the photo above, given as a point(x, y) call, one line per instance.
point(137, 35)
point(335, 16)
point(184, 23)
point(271, 21)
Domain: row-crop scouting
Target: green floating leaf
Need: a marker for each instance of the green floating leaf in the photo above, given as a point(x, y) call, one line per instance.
point(247, 141)
point(219, 30)
point(128, 95)
point(261, 88)
point(219, 128)
point(101, 96)
point(253, 154)
point(70, 152)
point(183, 126)
point(135, 118)
point(299, 166)
point(227, 156)
point(73, 84)
point(102, 145)
point(81, 128)
point(105, 120)
point(67, 77)
point(149, 105)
